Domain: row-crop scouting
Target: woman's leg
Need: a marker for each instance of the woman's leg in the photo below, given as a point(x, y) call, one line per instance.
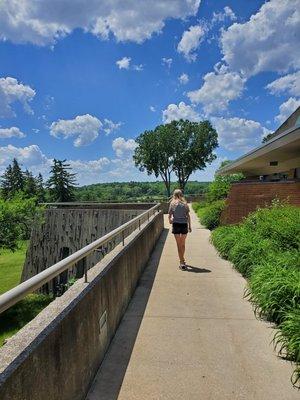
point(182, 240)
point(179, 247)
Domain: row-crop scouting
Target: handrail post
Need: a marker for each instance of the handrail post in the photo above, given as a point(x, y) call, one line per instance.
point(139, 224)
point(123, 238)
point(85, 273)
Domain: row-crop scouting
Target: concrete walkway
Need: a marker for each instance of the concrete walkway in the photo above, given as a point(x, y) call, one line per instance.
point(191, 335)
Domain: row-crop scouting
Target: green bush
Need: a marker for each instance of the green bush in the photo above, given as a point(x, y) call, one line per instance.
point(211, 213)
point(265, 249)
point(287, 339)
point(220, 187)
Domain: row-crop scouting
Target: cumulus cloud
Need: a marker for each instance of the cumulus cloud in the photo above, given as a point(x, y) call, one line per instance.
point(227, 13)
point(41, 23)
point(28, 156)
point(239, 134)
point(175, 112)
point(219, 88)
point(6, 133)
point(190, 41)
point(110, 126)
point(183, 79)
point(152, 108)
point(123, 147)
point(167, 61)
point(286, 109)
point(84, 127)
point(269, 41)
point(124, 63)
point(287, 84)
point(12, 91)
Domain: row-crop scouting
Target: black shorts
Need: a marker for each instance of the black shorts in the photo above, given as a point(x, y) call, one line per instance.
point(179, 228)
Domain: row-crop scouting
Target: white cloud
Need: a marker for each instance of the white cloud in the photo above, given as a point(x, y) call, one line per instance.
point(239, 134)
point(218, 90)
point(286, 109)
point(41, 23)
point(152, 108)
point(84, 127)
point(167, 61)
point(138, 67)
point(183, 79)
point(11, 132)
point(124, 63)
point(287, 84)
point(28, 156)
point(184, 111)
point(190, 41)
point(269, 41)
point(12, 91)
point(123, 147)
point(110, 126)
point(221, 16)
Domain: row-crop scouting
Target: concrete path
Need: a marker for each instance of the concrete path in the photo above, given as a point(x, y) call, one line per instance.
point(191, 335)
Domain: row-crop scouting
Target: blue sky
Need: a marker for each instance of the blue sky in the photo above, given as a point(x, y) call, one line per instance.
point(81, 81)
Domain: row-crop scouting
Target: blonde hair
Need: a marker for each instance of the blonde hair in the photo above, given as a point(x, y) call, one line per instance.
point(178, 196)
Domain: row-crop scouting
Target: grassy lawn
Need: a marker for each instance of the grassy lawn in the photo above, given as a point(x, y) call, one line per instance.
point(11, 264)
point(20, 314)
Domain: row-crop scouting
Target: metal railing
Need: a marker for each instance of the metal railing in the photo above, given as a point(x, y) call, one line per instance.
point(16, 294)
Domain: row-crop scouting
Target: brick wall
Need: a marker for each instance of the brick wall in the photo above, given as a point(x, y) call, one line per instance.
point(247, 196)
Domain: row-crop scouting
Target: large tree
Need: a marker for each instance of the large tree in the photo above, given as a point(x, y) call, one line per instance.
point(193, 148)
point(12, 181)
point(180, 146)
point(61, 183)
point(154, 153)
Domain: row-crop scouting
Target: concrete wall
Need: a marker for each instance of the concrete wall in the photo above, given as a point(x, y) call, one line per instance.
point(245, 197)
point(56, 356)
point(66, 230)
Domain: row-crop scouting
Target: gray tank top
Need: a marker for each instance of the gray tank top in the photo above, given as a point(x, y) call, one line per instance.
point(180, 213)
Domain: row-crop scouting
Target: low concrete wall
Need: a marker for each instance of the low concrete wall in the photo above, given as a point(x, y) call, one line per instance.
point(56, 356)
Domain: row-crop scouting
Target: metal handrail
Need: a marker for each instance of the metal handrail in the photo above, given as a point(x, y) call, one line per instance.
point(16, 294)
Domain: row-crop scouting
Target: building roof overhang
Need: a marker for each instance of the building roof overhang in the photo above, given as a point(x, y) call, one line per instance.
point(281, 153)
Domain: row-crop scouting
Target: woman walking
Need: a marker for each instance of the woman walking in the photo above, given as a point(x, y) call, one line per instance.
point(179, 217)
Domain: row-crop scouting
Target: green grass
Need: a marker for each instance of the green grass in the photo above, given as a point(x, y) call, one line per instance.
point(20, 314)
point(11, 264)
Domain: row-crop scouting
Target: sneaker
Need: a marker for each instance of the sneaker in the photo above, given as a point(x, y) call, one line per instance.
point(182, 266)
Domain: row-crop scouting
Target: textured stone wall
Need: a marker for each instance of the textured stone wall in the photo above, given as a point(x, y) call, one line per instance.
point(245, 197)
point(67, 230)
point(56, 355)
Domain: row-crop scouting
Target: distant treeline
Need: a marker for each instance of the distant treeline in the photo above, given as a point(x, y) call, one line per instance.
point(132, 191)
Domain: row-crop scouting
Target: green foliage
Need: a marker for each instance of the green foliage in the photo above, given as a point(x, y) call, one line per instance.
point(210, 214)
point(17, 216)
point(265, 249)
point(133, 191)
point(287, 339)
point(181, 147)
point(220, 187)
point(61, 183)
point(20, 314)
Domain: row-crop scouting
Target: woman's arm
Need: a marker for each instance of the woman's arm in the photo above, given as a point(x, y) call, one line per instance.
point(189, 219)
point(170, 215)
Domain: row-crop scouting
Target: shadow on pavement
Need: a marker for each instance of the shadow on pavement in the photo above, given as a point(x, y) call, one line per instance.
point(197, 270)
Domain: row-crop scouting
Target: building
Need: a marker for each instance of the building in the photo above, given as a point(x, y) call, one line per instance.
point(271, 171)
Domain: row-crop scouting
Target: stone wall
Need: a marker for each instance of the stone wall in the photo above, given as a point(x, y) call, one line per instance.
point(66, 230)
point(56, 355)
point(245, 197)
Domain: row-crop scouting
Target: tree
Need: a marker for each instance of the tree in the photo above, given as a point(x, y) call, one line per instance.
point(154, 153)
point(40, 190)
point(12, 180)
point(181, 147)
point(193, 148)
point(61, 183)
point(30, 186)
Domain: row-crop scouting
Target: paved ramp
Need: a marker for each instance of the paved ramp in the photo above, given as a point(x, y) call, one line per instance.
point(191, 335)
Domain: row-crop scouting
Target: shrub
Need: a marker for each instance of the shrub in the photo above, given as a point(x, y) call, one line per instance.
point(224, 238)
point(220, 187)
point(211, 213)
point(274, 286)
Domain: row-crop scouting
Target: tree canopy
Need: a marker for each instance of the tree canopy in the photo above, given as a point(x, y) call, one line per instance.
point(181, 147)
point(61, 183)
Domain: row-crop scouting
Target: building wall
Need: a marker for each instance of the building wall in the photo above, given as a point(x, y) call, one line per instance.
point(245, 197)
